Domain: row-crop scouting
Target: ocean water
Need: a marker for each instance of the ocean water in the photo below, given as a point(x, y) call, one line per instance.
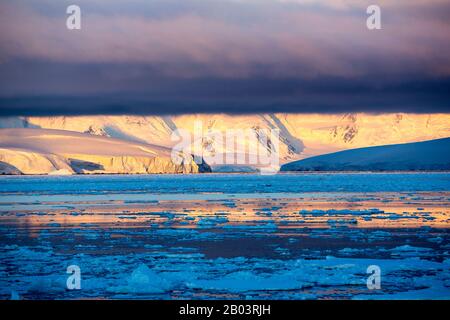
point(220, 236)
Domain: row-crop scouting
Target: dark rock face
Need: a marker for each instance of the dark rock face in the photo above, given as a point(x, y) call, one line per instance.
point(6, 168)
point(203, 167)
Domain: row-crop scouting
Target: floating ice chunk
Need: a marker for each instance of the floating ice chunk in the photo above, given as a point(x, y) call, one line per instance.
point(143, 280)
point(411, 251)
point(436, 239)
point(350, 251)
point(342, 221)
point(212, 221)
point(10, 247)
point(127, 217)
point(267, 226)
point(408, 248)
point(242, 281)
point(379, 235)
point(54, 224)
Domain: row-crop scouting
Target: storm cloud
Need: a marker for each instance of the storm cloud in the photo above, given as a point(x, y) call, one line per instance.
point(185, 56)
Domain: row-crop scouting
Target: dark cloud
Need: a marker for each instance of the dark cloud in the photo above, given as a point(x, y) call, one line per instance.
point(174, 56)
point(149, 92)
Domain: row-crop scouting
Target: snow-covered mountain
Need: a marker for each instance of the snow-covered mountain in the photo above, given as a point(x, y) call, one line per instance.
point(48, 151)
point(426, 155)
point(301, 135)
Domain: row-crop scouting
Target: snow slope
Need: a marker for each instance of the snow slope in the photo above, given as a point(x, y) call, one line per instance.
point(301, 135)
point(428, 155)
point(45, 151)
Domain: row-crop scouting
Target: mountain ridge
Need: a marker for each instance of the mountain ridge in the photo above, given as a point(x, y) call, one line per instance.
point(301, 135)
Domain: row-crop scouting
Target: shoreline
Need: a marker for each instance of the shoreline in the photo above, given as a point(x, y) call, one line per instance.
point(230, 173)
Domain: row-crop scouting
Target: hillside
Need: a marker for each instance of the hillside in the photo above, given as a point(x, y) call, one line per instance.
point(428, 155)
point(45, 151)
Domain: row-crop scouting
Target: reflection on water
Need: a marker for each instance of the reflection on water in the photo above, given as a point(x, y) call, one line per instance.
point(226, 236)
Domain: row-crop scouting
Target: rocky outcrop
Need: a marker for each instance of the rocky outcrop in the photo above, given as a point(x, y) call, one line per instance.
point(91, 164)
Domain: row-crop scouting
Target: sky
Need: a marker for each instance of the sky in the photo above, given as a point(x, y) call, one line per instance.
point(230, 56)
